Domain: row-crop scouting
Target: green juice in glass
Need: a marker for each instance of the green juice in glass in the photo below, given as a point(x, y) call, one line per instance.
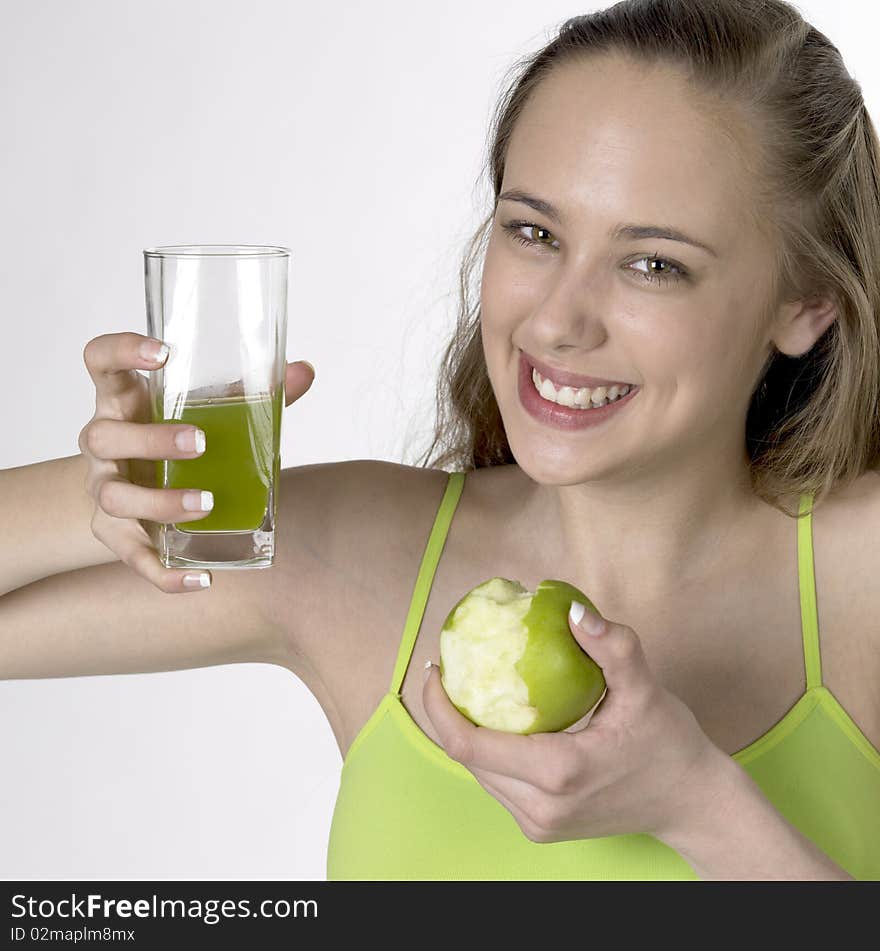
point(242, 436)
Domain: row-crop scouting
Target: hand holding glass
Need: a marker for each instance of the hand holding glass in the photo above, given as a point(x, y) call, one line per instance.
point(222, 311)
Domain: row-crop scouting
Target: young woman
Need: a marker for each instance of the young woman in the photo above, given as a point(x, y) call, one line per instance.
point(667, 394)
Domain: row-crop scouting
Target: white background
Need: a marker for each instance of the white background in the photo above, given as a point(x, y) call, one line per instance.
point(351, 133)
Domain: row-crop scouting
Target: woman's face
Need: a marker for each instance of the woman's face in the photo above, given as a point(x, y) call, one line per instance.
point(607, 144)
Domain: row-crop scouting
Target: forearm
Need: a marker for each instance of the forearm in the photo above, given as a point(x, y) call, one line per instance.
point(736, 834)
point(46, 515)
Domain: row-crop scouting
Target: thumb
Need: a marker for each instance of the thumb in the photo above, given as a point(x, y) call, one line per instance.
point(298, 378)
point(616, 648)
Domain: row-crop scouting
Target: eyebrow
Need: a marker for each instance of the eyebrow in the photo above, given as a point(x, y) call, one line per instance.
point(636, 231)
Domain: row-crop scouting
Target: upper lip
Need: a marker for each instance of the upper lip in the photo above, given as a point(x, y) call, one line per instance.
point(564, 378)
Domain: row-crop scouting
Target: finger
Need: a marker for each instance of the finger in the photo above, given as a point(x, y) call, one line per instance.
point(524, 757)
point(516, 792)
point(119, 439)
point(119, 498)
point(298, 379)
point(134, 548)
point(112, 360)
point(616, 648)
point(145, 561)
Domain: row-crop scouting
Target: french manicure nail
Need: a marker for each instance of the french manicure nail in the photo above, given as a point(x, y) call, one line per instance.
point(190, 440)
point(153, 352)
point(197, 579)
point(198, 501)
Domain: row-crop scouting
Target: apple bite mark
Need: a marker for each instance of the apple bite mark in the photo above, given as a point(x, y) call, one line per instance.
point(508, 659)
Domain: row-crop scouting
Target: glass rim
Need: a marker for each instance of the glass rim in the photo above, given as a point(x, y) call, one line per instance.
point(216, 250)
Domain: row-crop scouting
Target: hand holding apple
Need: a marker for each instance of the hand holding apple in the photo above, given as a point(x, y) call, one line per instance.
point(642, 765)
point(508, 660)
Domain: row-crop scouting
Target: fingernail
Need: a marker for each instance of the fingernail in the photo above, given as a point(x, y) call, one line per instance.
point(306, 362)
point(190, 440)
point(154, 352)
point(196, 501)
point(427, 673)
point(197, 579)
point(589, 620)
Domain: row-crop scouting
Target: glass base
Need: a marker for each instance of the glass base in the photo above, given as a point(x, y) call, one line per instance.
point(215, 550)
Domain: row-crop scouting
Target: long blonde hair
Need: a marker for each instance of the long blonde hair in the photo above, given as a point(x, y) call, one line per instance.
point(813, 420)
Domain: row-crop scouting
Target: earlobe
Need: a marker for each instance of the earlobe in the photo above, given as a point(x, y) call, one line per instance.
point(803, 323)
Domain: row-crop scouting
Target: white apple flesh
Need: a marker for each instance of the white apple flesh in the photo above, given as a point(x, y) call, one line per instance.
point(508, 659)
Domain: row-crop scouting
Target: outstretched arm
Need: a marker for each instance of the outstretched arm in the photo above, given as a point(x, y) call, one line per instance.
point(46, 515)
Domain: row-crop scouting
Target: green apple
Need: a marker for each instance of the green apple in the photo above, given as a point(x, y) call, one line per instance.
point(508, 659)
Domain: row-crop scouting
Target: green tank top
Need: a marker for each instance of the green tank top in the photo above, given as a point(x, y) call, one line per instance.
point(406, 811)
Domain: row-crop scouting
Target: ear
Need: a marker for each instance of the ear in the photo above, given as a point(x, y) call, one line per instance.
point(800, 324)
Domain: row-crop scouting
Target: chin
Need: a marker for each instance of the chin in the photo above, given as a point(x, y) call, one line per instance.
point(546, 467)
point(548, 460)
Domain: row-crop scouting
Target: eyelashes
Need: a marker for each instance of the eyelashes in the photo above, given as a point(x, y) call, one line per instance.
point(674, 272)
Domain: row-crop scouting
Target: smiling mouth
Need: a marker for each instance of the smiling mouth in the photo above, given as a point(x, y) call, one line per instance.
point(562, 378)
point(583, 398)
point(579, 399)
point(569, 416)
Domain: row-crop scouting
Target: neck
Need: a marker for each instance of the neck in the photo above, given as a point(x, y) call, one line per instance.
point(642, 540)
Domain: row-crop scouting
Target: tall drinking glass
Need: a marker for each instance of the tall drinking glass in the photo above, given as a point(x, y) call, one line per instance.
point(222, 310)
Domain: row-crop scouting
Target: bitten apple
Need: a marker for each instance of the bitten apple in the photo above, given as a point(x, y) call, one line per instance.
point(508, 659)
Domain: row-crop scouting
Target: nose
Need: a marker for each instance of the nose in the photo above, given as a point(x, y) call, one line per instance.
point(571, 309)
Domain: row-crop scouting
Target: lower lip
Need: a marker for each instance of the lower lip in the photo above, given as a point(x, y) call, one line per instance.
point(563, 417)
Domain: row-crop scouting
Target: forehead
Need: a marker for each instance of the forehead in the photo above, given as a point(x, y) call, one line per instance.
point(605, 136)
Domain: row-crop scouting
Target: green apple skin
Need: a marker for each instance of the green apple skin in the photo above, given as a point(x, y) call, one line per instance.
point(564, 682)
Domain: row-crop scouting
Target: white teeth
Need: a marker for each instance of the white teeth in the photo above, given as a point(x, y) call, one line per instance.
point(546, 389)
point(582, 398)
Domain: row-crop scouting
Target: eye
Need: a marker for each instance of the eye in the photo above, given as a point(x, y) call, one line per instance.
point(659, 270)
point(670, 272)
point(513, 229)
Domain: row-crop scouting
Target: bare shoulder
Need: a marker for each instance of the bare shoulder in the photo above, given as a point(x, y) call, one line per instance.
point(343, 515)
point(852, 517)
point(862, 492)
point(845, 532)
point(847, 566)
point(350, 538)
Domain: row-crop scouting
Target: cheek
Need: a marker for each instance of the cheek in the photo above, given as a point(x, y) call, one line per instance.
point(703, 388)
point(687, 336)
point(724, 321)
point(502, 291)
point(490, 287)
point(726, 353)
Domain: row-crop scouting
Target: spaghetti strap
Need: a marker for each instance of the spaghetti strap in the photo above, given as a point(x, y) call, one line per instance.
point(807, 584)
point(422, 589)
